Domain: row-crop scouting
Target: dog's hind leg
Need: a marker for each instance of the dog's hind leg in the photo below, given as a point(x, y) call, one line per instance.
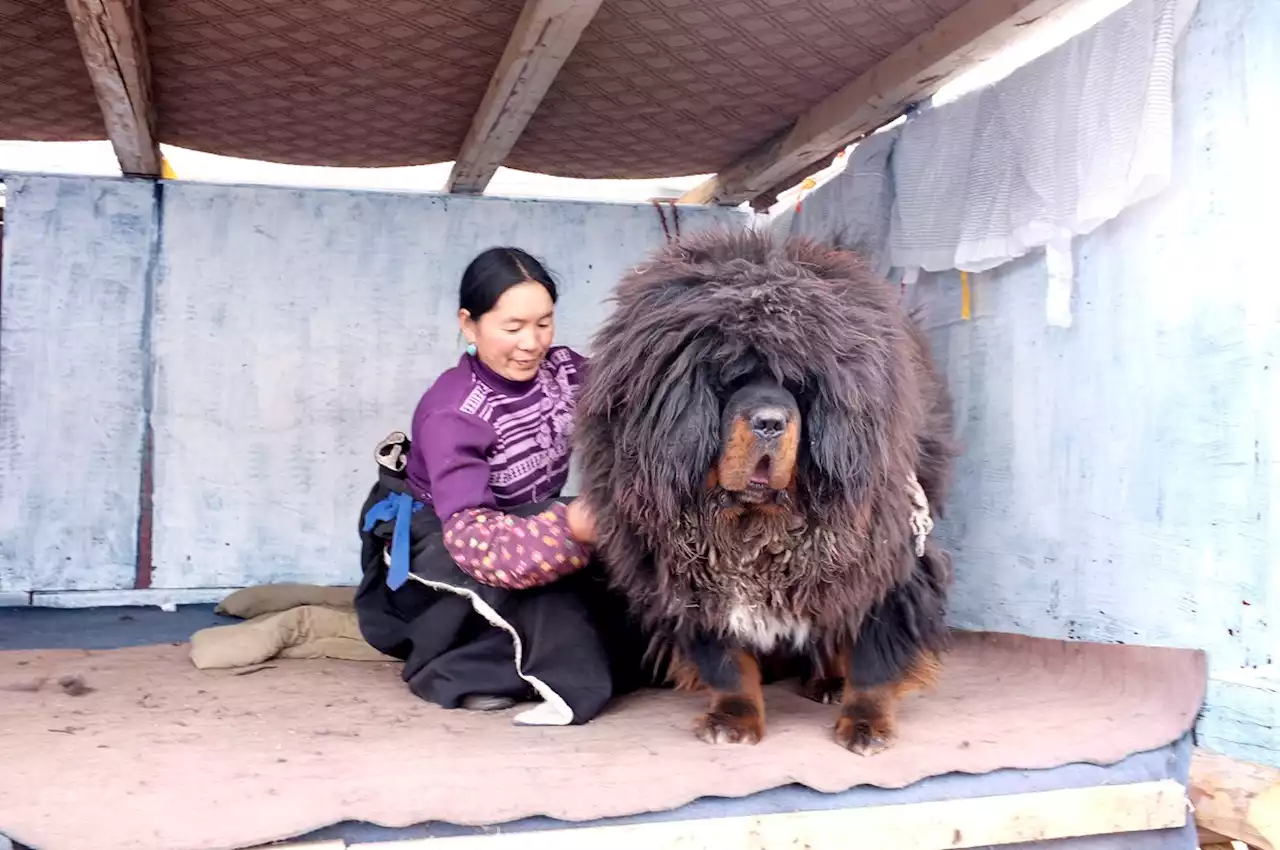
point(736, 714)
point(825, 676)
point(896, 651)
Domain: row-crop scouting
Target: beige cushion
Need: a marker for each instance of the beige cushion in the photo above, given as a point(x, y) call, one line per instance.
point(304, 631)
point(270, 598)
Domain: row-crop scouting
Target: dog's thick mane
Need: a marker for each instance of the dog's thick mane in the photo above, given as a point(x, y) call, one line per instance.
point(700, 315)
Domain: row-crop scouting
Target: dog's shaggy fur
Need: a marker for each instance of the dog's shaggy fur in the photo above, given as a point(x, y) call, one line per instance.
point(752, 419)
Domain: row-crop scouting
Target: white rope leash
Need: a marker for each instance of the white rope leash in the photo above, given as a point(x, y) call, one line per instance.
point(921, 521)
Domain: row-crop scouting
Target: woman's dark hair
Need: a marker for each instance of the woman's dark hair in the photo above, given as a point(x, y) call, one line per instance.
point(493, 272)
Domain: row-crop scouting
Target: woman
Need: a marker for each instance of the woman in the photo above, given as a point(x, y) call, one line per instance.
point(490, 595)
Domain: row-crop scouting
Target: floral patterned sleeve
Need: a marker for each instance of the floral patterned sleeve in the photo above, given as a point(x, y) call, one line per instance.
point(514, 552)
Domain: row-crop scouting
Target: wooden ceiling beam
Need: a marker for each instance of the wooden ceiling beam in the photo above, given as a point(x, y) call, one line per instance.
point(544, 36)
point(969, 35)
point(112, 39)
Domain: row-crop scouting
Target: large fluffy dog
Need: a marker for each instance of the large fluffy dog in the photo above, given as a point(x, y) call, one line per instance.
point(759, 432)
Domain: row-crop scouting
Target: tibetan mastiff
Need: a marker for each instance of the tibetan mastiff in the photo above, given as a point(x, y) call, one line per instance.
point(763, 439)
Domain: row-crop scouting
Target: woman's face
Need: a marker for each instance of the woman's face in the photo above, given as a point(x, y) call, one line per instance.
point(513, 337)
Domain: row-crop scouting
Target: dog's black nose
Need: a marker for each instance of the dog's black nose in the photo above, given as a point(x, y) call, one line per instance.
point(768, 423)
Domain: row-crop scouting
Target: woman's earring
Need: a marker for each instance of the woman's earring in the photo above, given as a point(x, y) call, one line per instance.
point(471, 349)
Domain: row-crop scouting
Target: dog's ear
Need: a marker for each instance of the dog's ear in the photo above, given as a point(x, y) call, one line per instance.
point(673, 440)
point(840, 448)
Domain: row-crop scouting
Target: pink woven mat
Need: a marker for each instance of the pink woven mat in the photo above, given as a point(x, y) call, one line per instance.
point(161, 755)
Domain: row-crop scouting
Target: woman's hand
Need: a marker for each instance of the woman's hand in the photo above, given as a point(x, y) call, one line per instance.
point(582, 522)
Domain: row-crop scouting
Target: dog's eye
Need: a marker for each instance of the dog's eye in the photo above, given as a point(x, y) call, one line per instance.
point(739, 371)
point(804, 394)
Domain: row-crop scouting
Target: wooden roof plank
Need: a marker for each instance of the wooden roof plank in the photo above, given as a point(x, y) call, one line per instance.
point(969, 35)
point(543, 38)
point(112, 38)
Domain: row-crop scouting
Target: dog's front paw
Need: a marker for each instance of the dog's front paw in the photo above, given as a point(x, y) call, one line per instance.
point(865, 734)
point(731, 720)
point(718, 729)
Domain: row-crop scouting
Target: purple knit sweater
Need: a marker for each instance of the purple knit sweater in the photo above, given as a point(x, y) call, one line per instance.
point(482, 443)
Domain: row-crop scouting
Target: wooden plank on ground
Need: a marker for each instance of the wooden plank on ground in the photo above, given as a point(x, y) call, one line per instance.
point(969, 35)
point(112, 39)
point(542, 40)
point(1210, 840)
point(975, 822)
point(1236, 799)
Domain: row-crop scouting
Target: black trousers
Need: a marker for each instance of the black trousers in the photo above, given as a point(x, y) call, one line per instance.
point(574, 636)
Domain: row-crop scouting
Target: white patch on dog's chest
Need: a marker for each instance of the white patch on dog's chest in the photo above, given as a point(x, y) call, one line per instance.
point(765, 630)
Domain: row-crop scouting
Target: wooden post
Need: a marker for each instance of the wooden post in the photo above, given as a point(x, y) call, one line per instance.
point(543, 38)
point(972, 33)
point(113, 43)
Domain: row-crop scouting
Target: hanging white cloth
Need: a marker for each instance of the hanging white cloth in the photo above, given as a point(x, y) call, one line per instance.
point(1061, 145)
point(855, 205)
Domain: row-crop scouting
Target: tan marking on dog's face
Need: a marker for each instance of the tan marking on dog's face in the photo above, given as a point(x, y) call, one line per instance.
point(783, 474)
point(739, 456)
point(744, 450)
